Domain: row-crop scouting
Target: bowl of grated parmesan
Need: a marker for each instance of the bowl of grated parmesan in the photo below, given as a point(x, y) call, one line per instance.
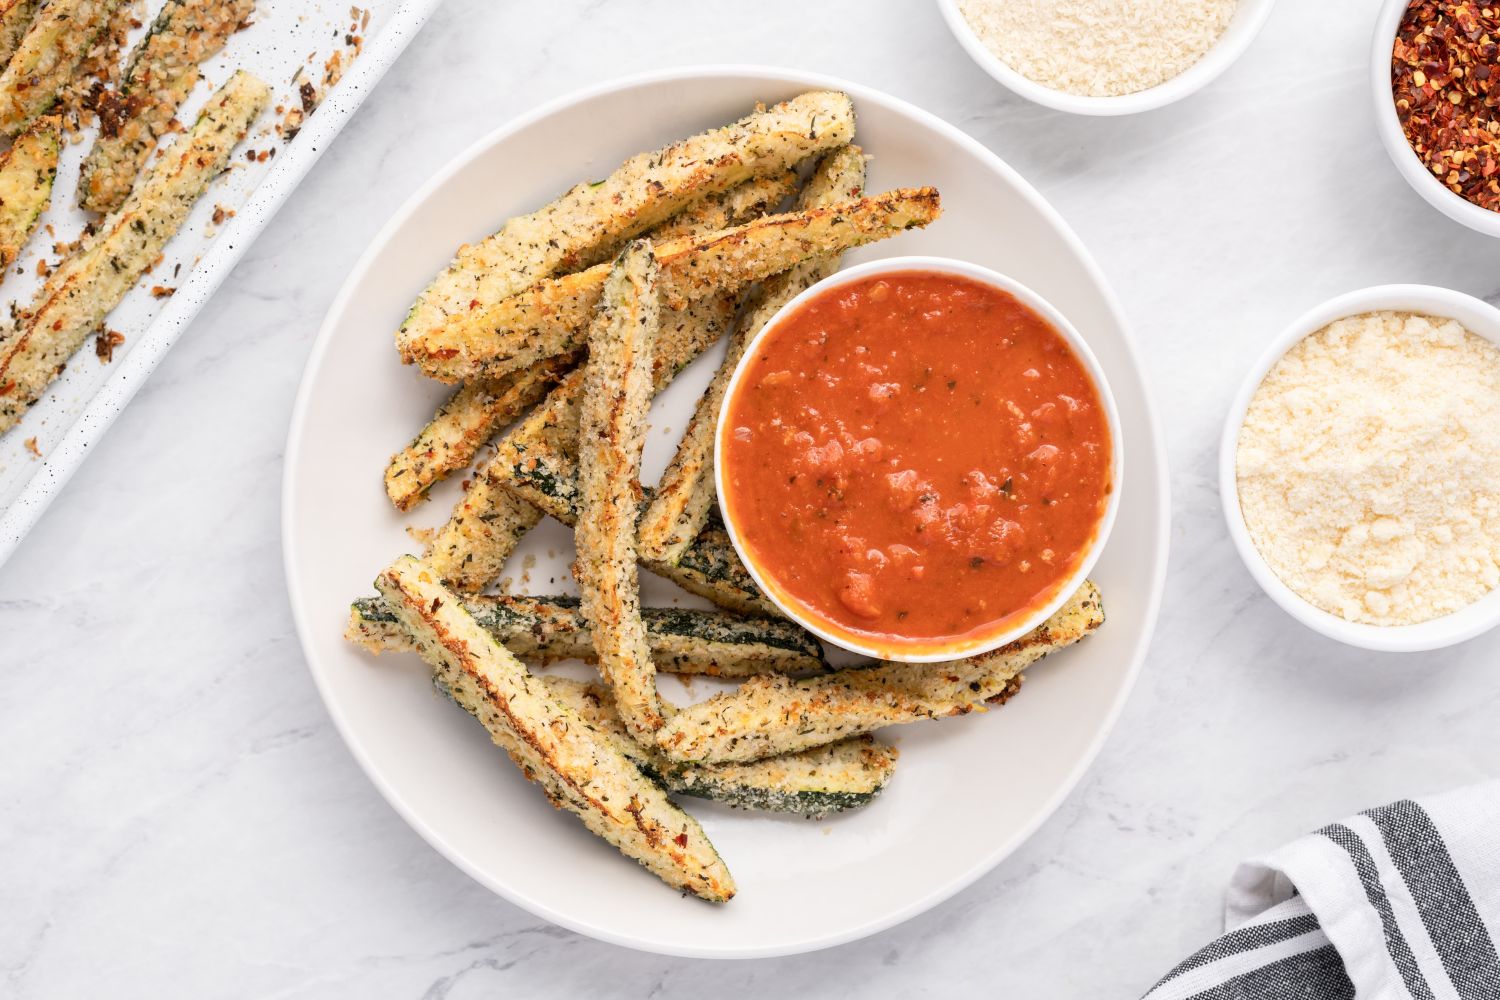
point(1360, 468)
point(1105, 57)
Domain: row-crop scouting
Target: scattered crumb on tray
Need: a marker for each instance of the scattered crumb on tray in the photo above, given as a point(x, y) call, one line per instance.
point(105, 343)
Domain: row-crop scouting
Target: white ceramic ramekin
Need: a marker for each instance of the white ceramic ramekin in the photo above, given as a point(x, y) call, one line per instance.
point(1249, 18)
point(1388, 123)
point(1478, 317)
point(1074, 339)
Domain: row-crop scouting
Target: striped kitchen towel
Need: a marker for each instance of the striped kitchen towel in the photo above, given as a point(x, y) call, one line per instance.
point(1398, 903)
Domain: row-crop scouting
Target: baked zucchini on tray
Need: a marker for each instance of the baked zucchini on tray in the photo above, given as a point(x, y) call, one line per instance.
point(560, 328)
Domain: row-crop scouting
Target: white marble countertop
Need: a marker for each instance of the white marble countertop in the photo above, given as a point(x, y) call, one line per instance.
point(180, 817)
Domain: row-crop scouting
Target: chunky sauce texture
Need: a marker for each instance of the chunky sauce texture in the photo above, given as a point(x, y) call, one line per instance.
point(917, 460)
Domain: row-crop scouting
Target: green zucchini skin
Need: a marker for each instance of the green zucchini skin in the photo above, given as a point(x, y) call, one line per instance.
point(853, 774)
point(683, 641)
point(711, 568)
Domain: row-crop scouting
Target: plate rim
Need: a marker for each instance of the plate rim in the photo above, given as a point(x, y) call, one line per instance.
point(292, 454)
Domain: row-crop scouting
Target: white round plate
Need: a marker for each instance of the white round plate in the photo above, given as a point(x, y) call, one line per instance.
point(967, 791)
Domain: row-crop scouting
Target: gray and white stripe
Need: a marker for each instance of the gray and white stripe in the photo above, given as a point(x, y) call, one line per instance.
point(1377, 907)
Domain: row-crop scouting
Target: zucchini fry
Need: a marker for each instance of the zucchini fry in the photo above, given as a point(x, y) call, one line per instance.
point(44, 60)
point(87, 286)
point(470, 549)
point(679, 507)
point(463, 424)
point(711, 568)
point(771, 716)
point(543, 630)
point(814, 783)
point(481, 408)
point(162, 71)
point(578, 767)
point(591, 221)
point(612, 434)
point(15, 20)
point(734, 207)
point(551, 316)
point(27, 171)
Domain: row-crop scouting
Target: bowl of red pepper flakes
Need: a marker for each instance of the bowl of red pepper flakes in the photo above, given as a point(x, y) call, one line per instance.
point(1436, 75)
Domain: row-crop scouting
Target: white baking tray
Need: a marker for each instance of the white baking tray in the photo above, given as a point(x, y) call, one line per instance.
point(288, 42)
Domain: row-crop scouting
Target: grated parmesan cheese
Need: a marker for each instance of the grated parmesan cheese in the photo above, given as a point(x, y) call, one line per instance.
point(1099, 48)
point(1369, 468)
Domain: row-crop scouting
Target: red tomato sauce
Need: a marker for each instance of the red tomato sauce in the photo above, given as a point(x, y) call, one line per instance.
point(917, 460)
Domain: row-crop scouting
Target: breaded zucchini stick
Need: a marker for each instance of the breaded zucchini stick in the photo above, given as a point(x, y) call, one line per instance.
point(711, 568)
point(470, 549)
point(27, 171)
point(814, 783)
point(770, 716)
point(477, 411)
point(542, 630)
point(161, 73)
point(15, 20)
point(85, 287)
point(734, 207)
point(463, 424)
point(680, 505)
point(551, 316)
point(612, 434)
point(591, 221)
point(578, 767)
point(44, 61)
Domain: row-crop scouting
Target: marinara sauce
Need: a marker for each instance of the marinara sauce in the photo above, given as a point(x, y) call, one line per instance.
point(916, 459)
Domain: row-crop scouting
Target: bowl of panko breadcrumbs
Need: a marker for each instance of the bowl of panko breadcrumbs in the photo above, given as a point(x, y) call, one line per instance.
point(1435, 74)
point(1105, 57)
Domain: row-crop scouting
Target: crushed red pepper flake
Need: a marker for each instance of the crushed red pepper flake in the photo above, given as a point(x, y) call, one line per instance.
point(1443, 66)
point(30, 444)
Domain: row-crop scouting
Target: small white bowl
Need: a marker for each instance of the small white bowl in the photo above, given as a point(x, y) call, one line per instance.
point(1388, 123)
point(1481, 616)
point(1047, 311)
point(1249, 18)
